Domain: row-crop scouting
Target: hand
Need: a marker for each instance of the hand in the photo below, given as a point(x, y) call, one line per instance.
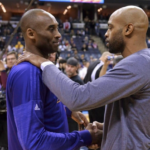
point(79, 118)
point(93, 146)
point(97, 126)
point(106, 60)
point(2, 67)
point(96, 136)
point(32, 58)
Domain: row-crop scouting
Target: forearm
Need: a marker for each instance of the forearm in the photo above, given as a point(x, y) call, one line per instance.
point(103, 70)
point(93, 94)
point(33, 135)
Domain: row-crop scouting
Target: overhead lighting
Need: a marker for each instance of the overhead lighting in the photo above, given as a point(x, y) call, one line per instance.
point(65, 11)
point(3, 8)
point(69, 7)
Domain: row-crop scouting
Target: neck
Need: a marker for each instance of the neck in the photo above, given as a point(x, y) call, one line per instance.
point(34, 50)
point(133, 47)
point(72, 75)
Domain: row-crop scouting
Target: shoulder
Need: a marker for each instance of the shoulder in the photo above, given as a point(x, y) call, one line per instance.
point(24, 72)
point(137, 63)
point(78, 80)
point(24, 68)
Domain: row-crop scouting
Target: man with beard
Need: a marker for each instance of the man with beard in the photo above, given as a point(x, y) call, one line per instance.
point(36, 117)
point(125, 89)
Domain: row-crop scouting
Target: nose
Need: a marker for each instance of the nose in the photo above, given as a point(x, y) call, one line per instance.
point(106, 34)
point(58, 35)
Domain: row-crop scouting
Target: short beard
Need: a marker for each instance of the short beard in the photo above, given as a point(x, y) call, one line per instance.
point(117, 45)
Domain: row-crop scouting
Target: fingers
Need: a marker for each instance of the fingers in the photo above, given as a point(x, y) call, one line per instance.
point(80, 121)
point(93, 146)
point(95, 128)
point(24, 57)
point(84, 119)
point(96, 125)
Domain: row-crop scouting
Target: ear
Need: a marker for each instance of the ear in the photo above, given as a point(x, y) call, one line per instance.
point(30, 33)
point(129, 29)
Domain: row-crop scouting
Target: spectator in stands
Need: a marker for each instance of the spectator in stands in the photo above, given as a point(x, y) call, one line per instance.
point(19, 47)
point(91, 59)
point(62, 47)
point(64, 41)
point(78, 34)
point(76, 55)
point(68, 56)
point(84, 47)
point(61, 27)
point(82, 32)
point(71, 41)
point(5, 32)
point(11, 48)
point(14, 25)
point(72, 34)
point(66, 26)
point(83, 69)
point(89, 46)
point(68, 47)
point(82, 58)
point(60, 24)
point(95, 46)
point(86, 31)
point(2, 43)
point(11, 60)
point(72, 70)
point(86, 40)
point(73, 46)
point(20, 37)
point(62, 65)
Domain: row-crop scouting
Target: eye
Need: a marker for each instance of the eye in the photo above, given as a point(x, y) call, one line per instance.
point(109, 27)
point(51, 29)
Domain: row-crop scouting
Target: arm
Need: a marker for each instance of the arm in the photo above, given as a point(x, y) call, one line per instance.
point(103, 70)
point(122, 81)
point(99, 92)
point(30, 121)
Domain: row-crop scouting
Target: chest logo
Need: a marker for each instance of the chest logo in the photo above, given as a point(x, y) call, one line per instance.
point(36, 107)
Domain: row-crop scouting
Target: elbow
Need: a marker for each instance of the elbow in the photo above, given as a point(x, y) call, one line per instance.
point(29, 144)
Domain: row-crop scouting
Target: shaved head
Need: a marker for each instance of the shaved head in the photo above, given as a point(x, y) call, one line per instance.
point(40, 31)
point(33, 18)
point(127, 28)
point(132, 15)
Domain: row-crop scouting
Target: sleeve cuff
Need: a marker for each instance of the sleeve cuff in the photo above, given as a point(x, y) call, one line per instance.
point(86, 136)
point(44, 64)
point(68, 112)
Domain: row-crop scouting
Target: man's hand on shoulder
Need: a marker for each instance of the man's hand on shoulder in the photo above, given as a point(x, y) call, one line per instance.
point(32, 58)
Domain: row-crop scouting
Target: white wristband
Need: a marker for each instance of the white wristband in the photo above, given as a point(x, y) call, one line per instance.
point(44, 64)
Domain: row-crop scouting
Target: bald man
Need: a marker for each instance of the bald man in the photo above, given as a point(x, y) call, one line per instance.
point(125, 89)
point(36, 117)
